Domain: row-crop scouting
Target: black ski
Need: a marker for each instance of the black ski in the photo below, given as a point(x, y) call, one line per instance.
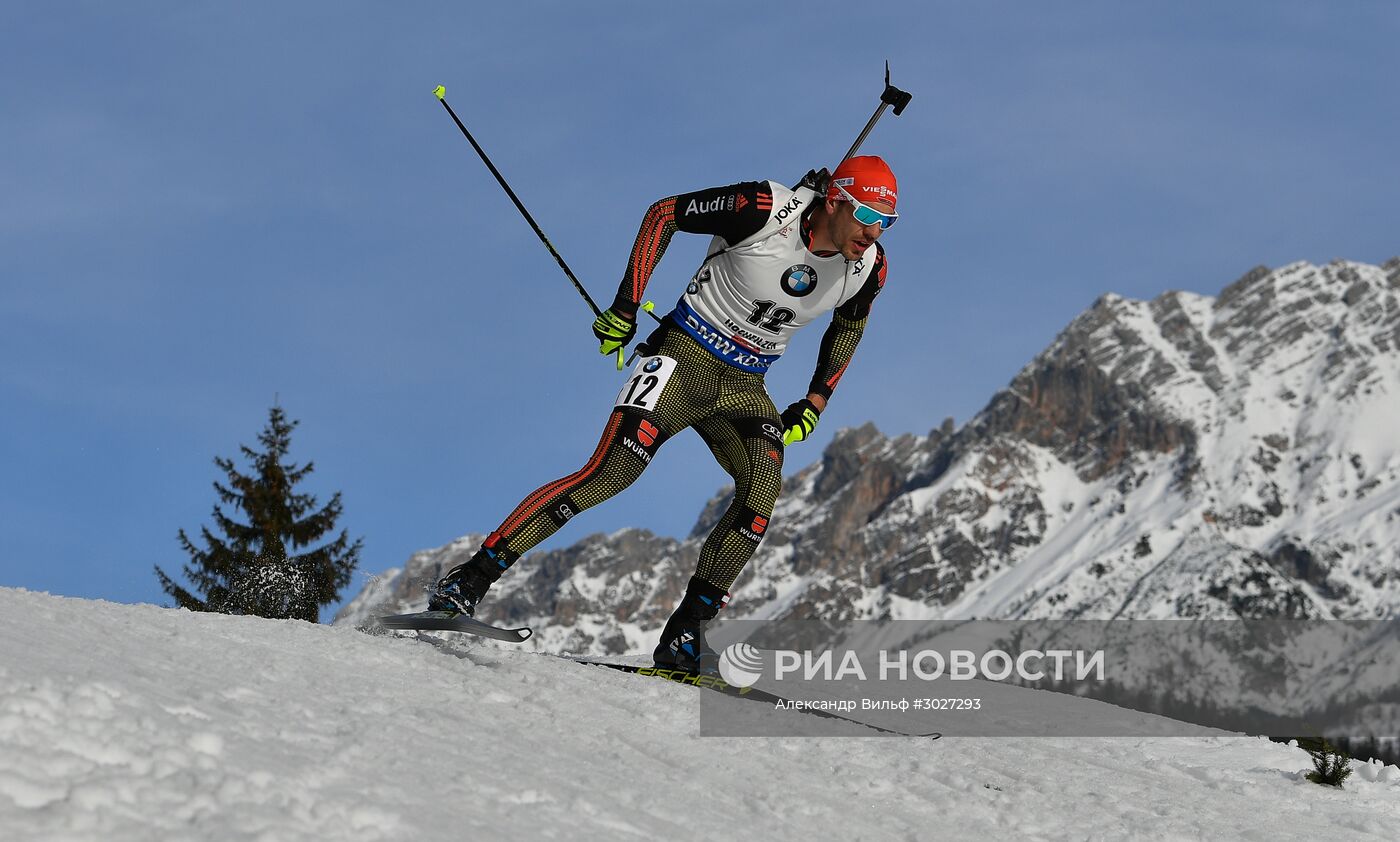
point(714, 682)
point(451, 621)
point(448, 621)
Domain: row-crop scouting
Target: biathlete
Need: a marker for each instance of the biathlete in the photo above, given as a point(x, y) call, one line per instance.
point(780, 258)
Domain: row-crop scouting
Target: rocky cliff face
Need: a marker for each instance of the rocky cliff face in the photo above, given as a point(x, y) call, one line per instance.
point(1188, 456)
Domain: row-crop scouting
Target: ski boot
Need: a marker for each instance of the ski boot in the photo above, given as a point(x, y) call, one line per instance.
point(462, 588)
point(683, 644)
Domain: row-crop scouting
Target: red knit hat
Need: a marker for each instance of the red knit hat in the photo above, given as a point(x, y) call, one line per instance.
point(866, 177)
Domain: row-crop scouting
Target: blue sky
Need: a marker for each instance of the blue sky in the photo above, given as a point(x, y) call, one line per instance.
point(208, 207)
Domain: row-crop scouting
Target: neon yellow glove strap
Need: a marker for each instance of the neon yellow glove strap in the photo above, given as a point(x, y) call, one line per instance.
point(613, 332)
point(801, 430)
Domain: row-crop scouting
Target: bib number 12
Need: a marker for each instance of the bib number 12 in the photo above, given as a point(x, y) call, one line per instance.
point(771, 319)
point(643, 387)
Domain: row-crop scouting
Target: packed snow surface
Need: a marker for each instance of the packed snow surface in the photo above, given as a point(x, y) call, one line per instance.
point(126, 722)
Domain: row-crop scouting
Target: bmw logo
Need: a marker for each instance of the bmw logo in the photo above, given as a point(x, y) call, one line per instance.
point(652, 365)
point(799, 280)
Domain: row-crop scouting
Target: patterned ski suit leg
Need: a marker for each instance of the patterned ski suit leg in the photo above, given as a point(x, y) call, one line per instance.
point(745, 436)
point(612, 467)
point(634, 433)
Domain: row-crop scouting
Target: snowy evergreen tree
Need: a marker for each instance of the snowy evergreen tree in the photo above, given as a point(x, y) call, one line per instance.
point(1331, 767)
point(263, 567)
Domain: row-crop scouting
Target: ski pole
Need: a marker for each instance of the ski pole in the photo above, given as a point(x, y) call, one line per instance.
point(441, 93)
point(892, 96)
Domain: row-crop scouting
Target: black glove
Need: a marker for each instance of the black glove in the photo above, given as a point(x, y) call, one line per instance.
point(799, 420)
point(817, 180)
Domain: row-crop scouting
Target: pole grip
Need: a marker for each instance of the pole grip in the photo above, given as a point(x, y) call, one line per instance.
point(890, 97)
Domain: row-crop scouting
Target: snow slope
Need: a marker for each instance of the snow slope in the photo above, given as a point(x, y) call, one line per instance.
point(135, 722)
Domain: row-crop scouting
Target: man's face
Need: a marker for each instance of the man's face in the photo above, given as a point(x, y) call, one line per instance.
point(850, 237)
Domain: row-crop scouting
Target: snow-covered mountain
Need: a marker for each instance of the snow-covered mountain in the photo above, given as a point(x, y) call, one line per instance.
point(131, 722)
point(1187, 456)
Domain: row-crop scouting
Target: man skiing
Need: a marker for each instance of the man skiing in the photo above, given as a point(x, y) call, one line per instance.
point(779, 259)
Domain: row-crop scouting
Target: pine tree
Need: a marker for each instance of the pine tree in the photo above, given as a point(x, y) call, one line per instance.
point(1331, 766)
point(257, 567)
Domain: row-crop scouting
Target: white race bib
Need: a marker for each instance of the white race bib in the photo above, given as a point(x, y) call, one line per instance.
point(644, 386)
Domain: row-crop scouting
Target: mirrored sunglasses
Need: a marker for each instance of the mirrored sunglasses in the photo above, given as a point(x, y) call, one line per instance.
point(865, 214)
